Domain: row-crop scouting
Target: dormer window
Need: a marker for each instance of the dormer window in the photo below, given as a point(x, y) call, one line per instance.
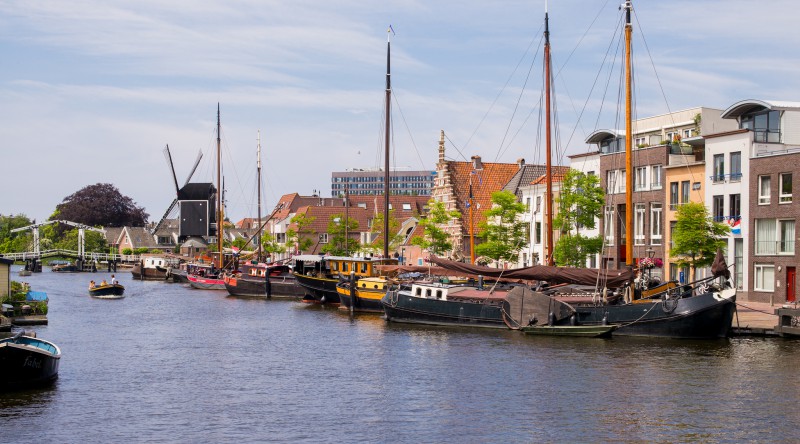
point(766, 126)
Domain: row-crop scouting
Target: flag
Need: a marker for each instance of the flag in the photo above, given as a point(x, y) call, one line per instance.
point(736, 227)
point(391, 30)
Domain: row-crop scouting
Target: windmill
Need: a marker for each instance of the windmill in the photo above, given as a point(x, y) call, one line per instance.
point(196, 203)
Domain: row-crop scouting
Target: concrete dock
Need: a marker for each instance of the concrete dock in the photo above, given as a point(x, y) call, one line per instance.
point(754, 319)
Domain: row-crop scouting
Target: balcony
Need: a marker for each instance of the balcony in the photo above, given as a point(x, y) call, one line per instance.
point(724, 178)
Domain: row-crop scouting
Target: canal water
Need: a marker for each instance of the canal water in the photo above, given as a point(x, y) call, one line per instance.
point(172, 364)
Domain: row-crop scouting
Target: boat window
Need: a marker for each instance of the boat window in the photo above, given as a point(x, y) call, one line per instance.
point(335, 266)
point(375, 286)
point(419, 292)
point(427, 292)
point(438, 294)
point(345, 267)
point(364, 267)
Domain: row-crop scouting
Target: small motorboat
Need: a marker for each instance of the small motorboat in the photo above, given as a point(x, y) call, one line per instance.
point(108, 291)
point(585, 331)
point(26, 361)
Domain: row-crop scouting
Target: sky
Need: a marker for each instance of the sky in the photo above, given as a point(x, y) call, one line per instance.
point(91, 91)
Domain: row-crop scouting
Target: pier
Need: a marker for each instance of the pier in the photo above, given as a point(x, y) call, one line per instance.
point(754, 319)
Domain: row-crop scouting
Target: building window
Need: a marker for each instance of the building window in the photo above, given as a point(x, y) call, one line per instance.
point(323, 238)
point(786, 236)
point(685, 192)
point(738, 261)
point(765, 277)
point(735, 206)
point(763, 190)
point(537, 234)
point(736, 166)
point(641, 178)
point(718, 208)
point(538, 204)
point(406, 207)
point(673, 196)
point(766, 126)
point(527, 204)
point(655, 223)
point(608, 225)
point(719, 168)
point(655, 177)
point(280, 238)
point(774, 236)
point(785, 187)
point(638, 224)
point(611, 181)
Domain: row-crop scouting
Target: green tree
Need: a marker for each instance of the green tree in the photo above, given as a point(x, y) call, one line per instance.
point(93, 242)
point(503, 231)
point(339, 244)
point(434, 238)
point(580, 203)
point(376, 246)
point(15, 242)
point(271, 246)
point(696, 237)
point(301, 234)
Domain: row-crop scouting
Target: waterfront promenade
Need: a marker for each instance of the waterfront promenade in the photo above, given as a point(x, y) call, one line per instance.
point(755, 318)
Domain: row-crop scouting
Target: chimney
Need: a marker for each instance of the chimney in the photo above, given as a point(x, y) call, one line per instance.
point(521, 162)
point(476, 163)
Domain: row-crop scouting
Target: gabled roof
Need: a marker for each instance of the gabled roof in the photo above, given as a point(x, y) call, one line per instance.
point(751, 105)
point(168, 227)
point(139, 237)
point(558, 175)
point(525, 174)
point(112, 234)
point(493, 177)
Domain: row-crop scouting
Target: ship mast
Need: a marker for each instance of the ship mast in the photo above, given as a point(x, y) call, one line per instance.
point(628, 140)
point(386, 187)
point(548, 164)
point(220, 212)
point(258, 170)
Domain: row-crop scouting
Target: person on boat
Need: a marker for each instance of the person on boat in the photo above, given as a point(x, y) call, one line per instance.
point(114, 280)
point(103, 283)
point(91, 284)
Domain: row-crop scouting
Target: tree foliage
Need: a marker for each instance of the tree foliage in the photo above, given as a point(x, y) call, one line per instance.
point(434, 238)
point(14, 242)
point(339, 244)
point(503, 232)
point(101, 205)
point(92, 241)
point(376, 246)
point(580, 203)
point(301, 235)
point(696, 237)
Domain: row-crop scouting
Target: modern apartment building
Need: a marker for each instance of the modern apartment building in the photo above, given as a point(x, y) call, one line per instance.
point(370, 182)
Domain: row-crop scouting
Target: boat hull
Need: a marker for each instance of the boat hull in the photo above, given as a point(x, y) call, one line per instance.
point(203, 283)
point(285, 287)
point(400, 307)
point(318, 290)
point(148, 274)
point(107, 292)
point(24, 366)
point(581, 331)
point(177, 276)
point(705, 316)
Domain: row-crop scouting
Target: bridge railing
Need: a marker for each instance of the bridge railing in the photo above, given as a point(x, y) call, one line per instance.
point(91, 256)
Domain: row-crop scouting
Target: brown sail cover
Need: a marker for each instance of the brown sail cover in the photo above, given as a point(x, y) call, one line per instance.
point(553, 275)
point(720, 267)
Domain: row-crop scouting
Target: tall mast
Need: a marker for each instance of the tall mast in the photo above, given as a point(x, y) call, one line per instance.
point(548, 165)
point(386, 187)
point(220, 212)
point(628, 141)
point(258, 170)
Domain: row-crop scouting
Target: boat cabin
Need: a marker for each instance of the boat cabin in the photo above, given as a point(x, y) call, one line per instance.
point(336, 266)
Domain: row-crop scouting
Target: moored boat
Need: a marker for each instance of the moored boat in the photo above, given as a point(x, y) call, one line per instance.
point(26, 361)
point(213, 282)
point(108, 291)
point(152, 268)
point(252, 282)
point(367, 295)
point(319, 275)
point(584, 331)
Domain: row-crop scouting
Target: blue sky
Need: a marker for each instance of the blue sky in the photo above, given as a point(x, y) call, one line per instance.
point(91, 91)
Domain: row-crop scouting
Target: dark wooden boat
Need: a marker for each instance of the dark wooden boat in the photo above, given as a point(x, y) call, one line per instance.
point(108, 291)
point(445, 304)
point(251, 282)
point(585, 331)
point(26, 361)
point(319, 275)
point(64, 267)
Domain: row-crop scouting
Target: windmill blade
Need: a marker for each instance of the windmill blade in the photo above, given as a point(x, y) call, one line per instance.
point(168, 156)
point(194, 168)
point(165, 216)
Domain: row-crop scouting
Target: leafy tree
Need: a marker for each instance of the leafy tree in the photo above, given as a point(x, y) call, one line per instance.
point(434, 238)
point(101, 205)
point(696, 237)
point(503, 230)
point(93, 241)
point(580, 203)
point(338, 244)
point(377, 229)
point(303, 235)
point(14, 242)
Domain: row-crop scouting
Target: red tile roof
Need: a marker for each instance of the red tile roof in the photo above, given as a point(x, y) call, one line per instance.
point(493, 177)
